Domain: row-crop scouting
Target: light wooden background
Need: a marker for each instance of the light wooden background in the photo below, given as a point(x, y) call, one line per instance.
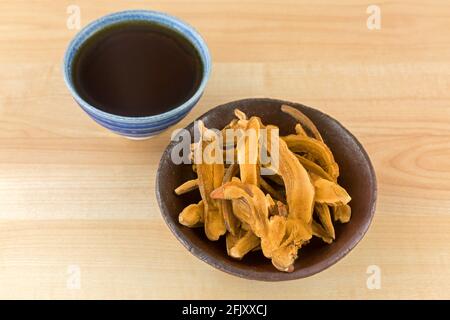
point(72, 195)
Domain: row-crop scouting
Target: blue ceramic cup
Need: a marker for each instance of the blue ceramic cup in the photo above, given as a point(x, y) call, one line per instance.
point(137, 127)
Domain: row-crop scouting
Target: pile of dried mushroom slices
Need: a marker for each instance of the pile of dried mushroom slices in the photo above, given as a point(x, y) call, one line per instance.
point(277, 214)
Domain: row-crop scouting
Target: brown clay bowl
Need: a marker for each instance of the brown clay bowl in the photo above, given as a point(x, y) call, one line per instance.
point(357, 177)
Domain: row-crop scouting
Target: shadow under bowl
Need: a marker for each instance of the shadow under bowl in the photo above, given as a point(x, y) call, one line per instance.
point(357, 176)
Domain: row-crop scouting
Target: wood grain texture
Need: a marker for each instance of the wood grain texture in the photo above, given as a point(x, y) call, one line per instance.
point(71, 193)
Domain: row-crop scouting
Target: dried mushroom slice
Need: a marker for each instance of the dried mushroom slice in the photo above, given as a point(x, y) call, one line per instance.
point(313, 167)
point(219, 172)
point(244, 225)
point(248, 152)
point(319, 231)
point(299, 189)
point(230, 172)
point(280, 237)
point(249, 206)
point(229, 139)
point(270, 202)
point(276, 231)
point(230, 240)
point(187, 187)
point(231, 222)
point(244, 245)
point(271, 206)
point(342, 213)
point(282, 209)
point(283, 258)
point(242, 211)
point(240, 115)
point(323, 211)
point(241, 243)
point(300, 200)
point(213, 217)
point(303, 120)
point(231, 125)
point(299, 130)
point(275, 178)
point(270, 190)
point(192, 215)
point(297, 234)
point(329, 192)
point(316, 149)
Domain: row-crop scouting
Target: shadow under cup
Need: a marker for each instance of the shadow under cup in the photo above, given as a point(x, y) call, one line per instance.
point(136, 126)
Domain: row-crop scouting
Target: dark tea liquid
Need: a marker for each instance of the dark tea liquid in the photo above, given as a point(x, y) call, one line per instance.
point(137, 69)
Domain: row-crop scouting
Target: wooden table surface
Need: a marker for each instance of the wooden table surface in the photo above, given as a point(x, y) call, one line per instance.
point(78, 215)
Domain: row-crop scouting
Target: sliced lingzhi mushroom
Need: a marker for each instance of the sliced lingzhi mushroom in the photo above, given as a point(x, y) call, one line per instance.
point(313, 167)
point(249, 206)
point(231, 222)
point(303, 120)
point(213, 217)
point(319, 231)
point(192, 215)
point(342, 213)
point(270, 190)
point(329, 192)
point(243, 245)
point(299, 189)
point(323, 211)
point(248, 152)
point(316, 149)
point(187, 187)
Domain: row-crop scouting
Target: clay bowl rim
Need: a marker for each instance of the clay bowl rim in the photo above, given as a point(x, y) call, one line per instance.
point(223, 265)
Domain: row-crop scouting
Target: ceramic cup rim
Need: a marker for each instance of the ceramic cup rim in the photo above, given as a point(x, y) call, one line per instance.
point(169, 21)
